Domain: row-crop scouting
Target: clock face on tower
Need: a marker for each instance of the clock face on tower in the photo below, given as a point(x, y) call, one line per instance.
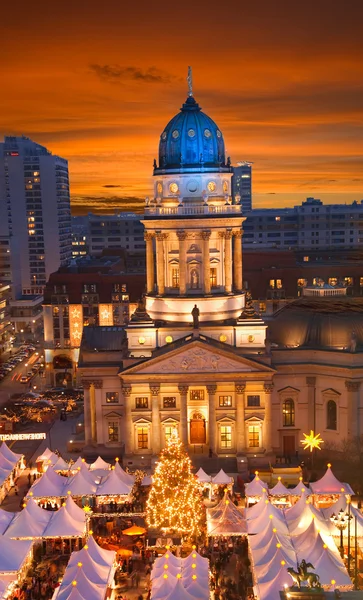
point(211, 186)
point(174, 188)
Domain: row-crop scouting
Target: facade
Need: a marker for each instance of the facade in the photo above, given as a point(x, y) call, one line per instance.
point(195, 355)
point(5, 322)
point(242, 185)
point(123, 230)
point(93, 292)
point(313, 225)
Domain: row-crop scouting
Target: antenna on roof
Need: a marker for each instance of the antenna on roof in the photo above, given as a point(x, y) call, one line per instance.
point(190, 82)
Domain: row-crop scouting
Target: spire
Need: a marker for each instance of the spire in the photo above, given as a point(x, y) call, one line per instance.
point(190, 82)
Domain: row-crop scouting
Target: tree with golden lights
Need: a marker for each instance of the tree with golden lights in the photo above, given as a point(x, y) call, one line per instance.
point(175, 504)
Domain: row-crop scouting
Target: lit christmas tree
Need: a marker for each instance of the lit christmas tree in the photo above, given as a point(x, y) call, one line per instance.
point(175, 504)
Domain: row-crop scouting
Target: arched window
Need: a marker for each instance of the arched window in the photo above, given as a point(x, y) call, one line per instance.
point(331, 415)
point(288, 413)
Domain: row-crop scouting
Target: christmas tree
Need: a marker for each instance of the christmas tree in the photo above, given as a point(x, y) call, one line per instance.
point(175, 504)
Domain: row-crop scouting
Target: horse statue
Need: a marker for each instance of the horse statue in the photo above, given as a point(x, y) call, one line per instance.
point(302, 574)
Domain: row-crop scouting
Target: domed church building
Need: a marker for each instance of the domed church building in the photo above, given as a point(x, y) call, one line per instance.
point(195, 355)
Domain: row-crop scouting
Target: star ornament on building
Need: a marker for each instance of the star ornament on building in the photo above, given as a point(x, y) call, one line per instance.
point(312, 441)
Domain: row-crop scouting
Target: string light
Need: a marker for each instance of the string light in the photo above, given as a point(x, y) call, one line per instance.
point(175, 504)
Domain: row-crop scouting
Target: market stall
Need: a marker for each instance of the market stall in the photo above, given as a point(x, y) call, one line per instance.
point(225, 520)
point(327, 490)
point(254, 490)
point(11, 465)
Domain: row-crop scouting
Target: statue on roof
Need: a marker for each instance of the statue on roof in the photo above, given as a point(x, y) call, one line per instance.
point(195, 315)
point(140, 313)
point(249, 311)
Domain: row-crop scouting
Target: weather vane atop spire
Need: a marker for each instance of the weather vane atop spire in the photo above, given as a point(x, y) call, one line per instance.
point(190, 81)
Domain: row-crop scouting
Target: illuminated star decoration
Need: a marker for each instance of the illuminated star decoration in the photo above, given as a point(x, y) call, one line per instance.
point(312, 441)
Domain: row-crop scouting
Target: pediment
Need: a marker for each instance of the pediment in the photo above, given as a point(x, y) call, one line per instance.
point(113, 414)
point(331, 391)
point(198, 357)
point(288, 389)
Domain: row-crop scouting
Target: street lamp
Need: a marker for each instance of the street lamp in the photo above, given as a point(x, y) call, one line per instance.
point(341, 521)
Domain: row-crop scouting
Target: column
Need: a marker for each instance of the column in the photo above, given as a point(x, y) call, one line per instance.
point(355, 412)
point(206, 262)
point(182, 236)
point(268, 387)
point(150, 274)
point(98, 412)
point(228, 260)
point(129, 429)
point(160, 263)
point(240, 417)
point(87, 412)
point(237, 260)
point(211, 389)
point(183, 390)
point(155, 417)
point(311, 383)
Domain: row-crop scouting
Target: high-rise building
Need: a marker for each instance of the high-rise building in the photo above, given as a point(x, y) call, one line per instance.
point(35, 217)
point(242, 185)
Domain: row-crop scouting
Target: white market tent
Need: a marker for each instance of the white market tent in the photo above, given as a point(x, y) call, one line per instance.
point(329, 484)
point(176, 577)
point(29, 523)
point(270, 590)
point(100, 464)
point(98, 554)
point(80, 484)
point(222, 478)
point(5, 519)
point(299, 489)
point(126, 477)
point(255, 488)
point(48, 457)
point(79, 462)
point(225, 519)
point(10, 463)
point(279, 489)
point(179, 592)
point(268, 513)
point(60, 465)
point(63, 524)
point(85, 588)
point(49, 485)
point(11, 456)
point(202, 476)
point(113, 486)
point(13, 554)
point(254, 510)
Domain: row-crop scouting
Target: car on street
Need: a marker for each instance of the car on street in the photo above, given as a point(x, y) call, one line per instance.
point(24, 379)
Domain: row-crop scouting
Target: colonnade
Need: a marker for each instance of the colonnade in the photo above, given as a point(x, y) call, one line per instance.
point(232, 261)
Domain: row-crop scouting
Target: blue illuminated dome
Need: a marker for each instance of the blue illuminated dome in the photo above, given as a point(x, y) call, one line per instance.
point(191, 141)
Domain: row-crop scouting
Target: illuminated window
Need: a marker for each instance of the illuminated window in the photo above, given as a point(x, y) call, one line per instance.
point(302, 282)
point(111, 397)
point(253, 436)
point(226, 436)
point(168, 432)
point(225, 400)
point(113, 431)
point(288, 413)
point(169, 402)
point(142, 438)
point(213, 277)
point(332, 281)
point(277, 218)
point(306, 258)
point(331, 415)
point(361, 281)
point(142, 402)
point(262, 307)
point(348, 280)
point(175, 278)
point(197, 394)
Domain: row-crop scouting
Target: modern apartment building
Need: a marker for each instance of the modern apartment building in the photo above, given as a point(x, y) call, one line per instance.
point(35, 219)
point(242, 185)
point(313, 225)
point(122, 230)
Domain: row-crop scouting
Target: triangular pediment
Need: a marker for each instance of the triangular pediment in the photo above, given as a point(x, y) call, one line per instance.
point(198, 357)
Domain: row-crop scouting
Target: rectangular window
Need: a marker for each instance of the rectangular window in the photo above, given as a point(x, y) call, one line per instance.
point(213, 277)
point(253, 436)
point(225, 400)
point(332, 281)
point(113, 431)
point(197, 394)
point(169, 402)
point(142, 438)
point(168, 432)
point(175, 278)
point(361, 281)
point(302, 282)
point(253, 400)
point(226, 436)
point(262, 307)
point(348, 280)
point(142, 402)
point(111, 397)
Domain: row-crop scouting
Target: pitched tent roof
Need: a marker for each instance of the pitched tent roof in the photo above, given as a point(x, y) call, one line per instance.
point(253, 511)
point(5, 519)
point(279, 490)
point(100, 464)
point(6, 464)
point(9, 454)
point(113, 486)
point(100, 555)
point(73, 595)
point(49, 485)
point(299, 489)
point(84, 586)
point(271, 589)
point(229, 521)
point(341, 504)
point(79, 462)
point(327, 569)
point(255, 487)
point(203, 476)
point(74, 510)
point(13, 554)
point(30, 522)
point(60, 464)
point(196, 589)
point(97, 574)
point(329, 484)
point(81, 484)
point(126, 477)
point(179, 592)
point(222, 478)
point(62, 524)
point(46, 456)
point(134, 530)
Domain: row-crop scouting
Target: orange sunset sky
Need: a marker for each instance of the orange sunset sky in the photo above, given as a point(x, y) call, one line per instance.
point(96, 82)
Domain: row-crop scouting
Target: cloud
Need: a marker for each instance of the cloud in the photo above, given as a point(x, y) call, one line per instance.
point(83, 204)
point(118, 74)
point(111, 185)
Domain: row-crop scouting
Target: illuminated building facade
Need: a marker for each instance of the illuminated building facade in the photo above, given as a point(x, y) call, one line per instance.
point(194, 355)
point(242, 185)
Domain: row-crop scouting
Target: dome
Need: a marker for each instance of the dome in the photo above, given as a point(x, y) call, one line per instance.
point(191, 140)
point(334, 323)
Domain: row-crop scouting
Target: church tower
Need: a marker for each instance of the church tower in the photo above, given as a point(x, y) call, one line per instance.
point(193, 236)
